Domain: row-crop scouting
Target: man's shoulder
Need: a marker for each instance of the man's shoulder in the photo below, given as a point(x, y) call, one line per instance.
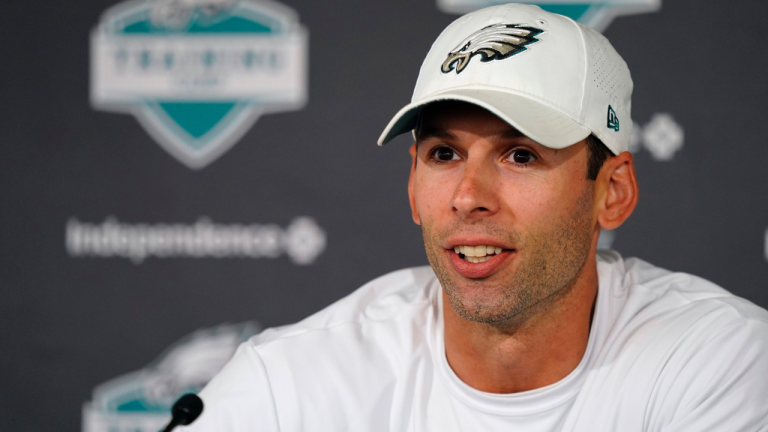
point(381, 301)
point(333, 365)
point(667, 318)
point(654, 291)
point(338, 362)
point(673, 315)
point(680, 348)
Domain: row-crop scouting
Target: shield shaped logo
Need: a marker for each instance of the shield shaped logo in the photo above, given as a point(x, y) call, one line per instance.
point(596, 14)
point(197, 74)
point(141, 401)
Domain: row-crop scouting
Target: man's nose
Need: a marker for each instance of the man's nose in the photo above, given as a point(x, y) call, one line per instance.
point(476, 195)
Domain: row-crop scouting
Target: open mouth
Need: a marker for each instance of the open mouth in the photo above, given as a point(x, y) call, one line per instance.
point(477, 254)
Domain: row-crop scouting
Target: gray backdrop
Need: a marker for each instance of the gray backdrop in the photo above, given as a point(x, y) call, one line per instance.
point(68, 324)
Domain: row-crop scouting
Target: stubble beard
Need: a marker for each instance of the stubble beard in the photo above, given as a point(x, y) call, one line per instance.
point(551, 258)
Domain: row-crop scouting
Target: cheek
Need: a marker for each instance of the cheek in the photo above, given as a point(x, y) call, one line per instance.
point(530, 205)
point(433, 196)
point(430, 206)
point(526, 194)
point(534, 200)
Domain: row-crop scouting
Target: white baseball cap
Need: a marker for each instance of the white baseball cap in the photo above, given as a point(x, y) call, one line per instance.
point(553, 79)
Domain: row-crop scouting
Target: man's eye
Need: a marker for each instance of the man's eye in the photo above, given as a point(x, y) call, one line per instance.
point(445, 154)
point(522, 157)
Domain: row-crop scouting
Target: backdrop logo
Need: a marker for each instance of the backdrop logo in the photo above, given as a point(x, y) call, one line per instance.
point(302, 241)
point(596, 14)
point(662, 137)
point(141, 401)
point(198, 73)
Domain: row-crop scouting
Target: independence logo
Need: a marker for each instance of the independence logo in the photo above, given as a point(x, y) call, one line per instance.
point(596, 14)
point(302, 241)
point(197, 74)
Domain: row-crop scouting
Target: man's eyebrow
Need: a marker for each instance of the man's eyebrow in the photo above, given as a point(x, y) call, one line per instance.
point(510, 134)
point(424, 133)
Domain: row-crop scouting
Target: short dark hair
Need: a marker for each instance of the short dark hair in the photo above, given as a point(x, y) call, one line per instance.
point(597, 154)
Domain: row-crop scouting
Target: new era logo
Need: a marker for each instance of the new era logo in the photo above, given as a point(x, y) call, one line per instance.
point(613, 120)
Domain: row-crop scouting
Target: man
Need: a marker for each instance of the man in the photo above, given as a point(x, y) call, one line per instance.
point(522, 124)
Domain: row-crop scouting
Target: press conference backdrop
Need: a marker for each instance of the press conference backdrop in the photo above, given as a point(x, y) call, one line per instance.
point(177, 174)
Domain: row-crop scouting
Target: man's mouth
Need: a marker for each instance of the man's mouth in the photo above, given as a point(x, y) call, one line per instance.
point(477, 254)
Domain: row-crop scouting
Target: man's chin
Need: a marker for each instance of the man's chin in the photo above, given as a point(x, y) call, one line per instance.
point(481, 304)
point(483, 315)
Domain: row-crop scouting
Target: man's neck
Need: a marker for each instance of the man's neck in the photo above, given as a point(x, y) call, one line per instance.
point(527, 352)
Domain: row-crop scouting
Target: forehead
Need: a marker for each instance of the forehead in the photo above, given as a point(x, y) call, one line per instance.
point(442, 118)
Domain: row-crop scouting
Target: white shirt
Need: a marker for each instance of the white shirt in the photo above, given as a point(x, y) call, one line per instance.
point(666, 352)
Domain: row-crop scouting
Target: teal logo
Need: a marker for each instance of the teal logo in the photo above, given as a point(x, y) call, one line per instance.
point(197, 74)
point(596, 14)
point(141, 401)
point(613, 120)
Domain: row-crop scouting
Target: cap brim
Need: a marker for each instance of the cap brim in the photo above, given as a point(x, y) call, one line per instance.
point(536, 120)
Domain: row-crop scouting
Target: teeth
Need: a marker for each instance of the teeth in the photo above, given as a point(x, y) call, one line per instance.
point(477, 254)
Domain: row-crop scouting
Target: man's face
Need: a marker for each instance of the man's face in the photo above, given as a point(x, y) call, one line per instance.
point(477, 184)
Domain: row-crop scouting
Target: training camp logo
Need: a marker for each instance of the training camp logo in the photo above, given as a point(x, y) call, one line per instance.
point(141, 401)
point(596, 14)
point(495, 42)
point(197, 74)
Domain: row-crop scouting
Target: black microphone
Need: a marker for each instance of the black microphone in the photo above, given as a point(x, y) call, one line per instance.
point(185, 411)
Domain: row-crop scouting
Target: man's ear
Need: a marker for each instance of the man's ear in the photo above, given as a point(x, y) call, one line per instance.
point(411, 186)
point(617, 191)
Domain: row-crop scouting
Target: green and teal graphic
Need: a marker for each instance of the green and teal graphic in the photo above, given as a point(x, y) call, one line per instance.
point(613, 119)
point(197, 74)
point(141, 401)
point(596, 14)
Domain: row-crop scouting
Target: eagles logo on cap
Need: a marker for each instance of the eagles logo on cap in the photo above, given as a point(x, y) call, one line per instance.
point(495, 42)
